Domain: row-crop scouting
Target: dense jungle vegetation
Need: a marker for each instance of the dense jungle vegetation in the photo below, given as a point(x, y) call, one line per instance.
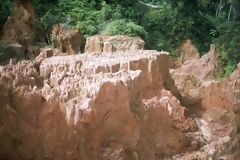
point(163, 24)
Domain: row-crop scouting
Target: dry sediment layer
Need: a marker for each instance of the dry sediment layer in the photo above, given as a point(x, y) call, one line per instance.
point(92, 106)
point(215, 105)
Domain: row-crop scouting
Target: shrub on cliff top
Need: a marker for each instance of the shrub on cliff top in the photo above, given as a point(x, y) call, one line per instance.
point(124, 27)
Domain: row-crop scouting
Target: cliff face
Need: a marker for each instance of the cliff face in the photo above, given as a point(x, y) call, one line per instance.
point(22, 25)
point(22, 30)
point(214, 102)
point(92, 106)
point(121, 105)
point(67, 40)
point(119, 43)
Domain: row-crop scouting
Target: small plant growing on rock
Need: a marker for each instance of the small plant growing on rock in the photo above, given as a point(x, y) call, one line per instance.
point(53, 41)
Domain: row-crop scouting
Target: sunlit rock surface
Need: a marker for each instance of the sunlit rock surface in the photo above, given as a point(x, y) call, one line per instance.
point(215, 105)
point(92, 106)
point(22, 27)
point(118, 43)
point(114, 106)
point(190, 76)
point(67, 40)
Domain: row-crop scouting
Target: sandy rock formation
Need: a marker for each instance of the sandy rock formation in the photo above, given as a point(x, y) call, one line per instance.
point(117, 106)
point(22, 26)
point(68, 40)
point(92, 106)
point(218, 110)
point(188, 52)
point(119, 43)
point(215, 104)
point(190, 76)
point(47, 52)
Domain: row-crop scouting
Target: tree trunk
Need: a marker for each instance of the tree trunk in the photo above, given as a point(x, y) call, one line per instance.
point(230, 10)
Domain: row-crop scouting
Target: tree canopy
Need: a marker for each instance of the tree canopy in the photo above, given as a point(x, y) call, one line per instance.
point(163, 24)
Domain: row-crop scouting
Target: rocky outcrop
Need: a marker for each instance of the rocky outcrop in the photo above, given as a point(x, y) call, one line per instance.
point(92, 106)
point(45, 53)
point(117, 106)
point(218, 109)
point(215, 103)
point(119, 43)
point(22, 25)
point(10, 50)
point(190, 76)
point(23, 28)
point(188, 52)
point(68, 40)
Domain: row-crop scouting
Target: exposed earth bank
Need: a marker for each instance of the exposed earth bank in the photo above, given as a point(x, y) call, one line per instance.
point(117, 105)
point(116, 101)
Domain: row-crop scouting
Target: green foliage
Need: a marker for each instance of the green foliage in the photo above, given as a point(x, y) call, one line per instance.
point(163, 24)
point(53, 41)
point(167, 27)
point(5, 8)
point(228, 47)
point(124, 27)
point(88, 16)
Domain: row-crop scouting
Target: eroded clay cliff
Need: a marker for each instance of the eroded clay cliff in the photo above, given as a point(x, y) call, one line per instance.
point(23, 29)
point(119, 43)
point(124, 105)
point(22, 25)
point(92, 106)
point(214, 103)
point(68, 40)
